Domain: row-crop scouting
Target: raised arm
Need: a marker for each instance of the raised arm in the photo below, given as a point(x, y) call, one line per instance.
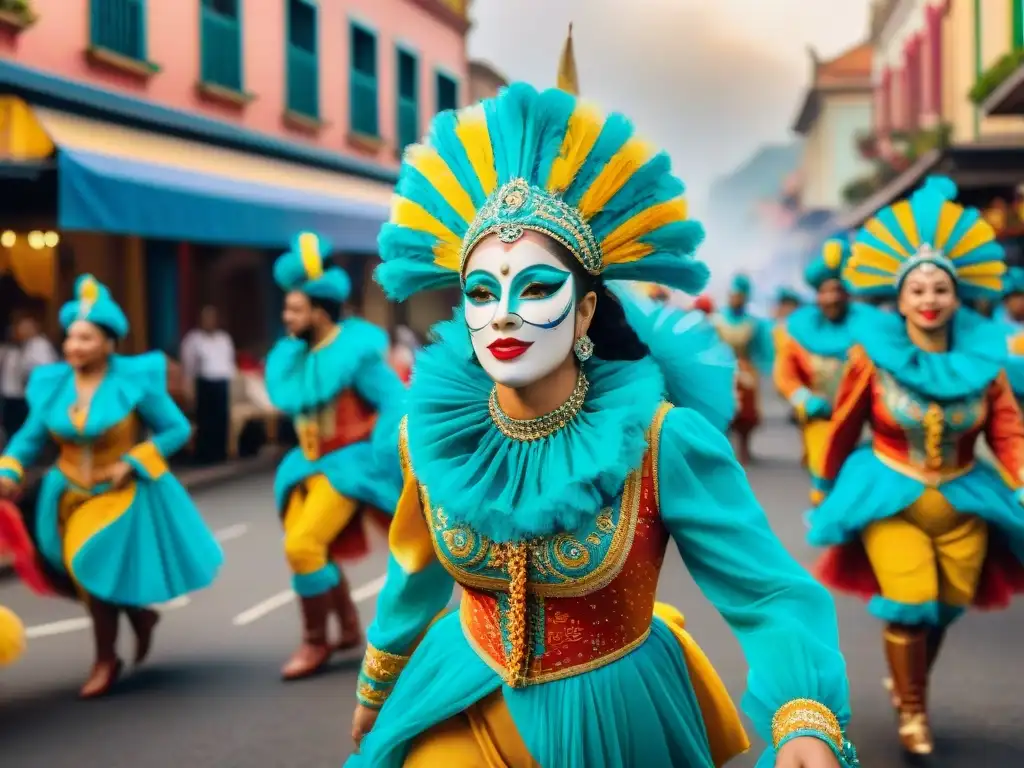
point(416, 590)
point(783, 619)
point(1004, 430)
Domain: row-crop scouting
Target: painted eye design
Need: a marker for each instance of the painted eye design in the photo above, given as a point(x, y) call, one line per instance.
point(478, 294)
point(540, 290)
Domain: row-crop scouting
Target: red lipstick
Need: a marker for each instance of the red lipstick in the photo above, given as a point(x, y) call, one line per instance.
point(508, 349)
point(930, 314)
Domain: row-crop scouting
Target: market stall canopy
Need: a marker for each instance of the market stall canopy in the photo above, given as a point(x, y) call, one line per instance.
point(121, 180)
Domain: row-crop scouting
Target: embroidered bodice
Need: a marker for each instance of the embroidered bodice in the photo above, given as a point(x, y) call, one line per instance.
point(739, 335)
point(825, 374)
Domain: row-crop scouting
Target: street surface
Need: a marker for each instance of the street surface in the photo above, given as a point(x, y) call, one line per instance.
point(210, 696)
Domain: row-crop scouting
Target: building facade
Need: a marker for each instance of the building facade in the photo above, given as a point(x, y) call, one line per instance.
point(936, 63)
point(484, 80)
point(175, 146)
point(836, 109)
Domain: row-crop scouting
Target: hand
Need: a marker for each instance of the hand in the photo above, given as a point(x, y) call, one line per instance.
point(806, 752)
point(9, 489)
point(362, 723)
point(120, 474)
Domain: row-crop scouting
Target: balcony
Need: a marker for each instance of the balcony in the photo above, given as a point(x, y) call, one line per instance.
point(1000, 89)
point(892, 154)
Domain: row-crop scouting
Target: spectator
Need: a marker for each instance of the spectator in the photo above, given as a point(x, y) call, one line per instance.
point(208, 360)
point(26, 351)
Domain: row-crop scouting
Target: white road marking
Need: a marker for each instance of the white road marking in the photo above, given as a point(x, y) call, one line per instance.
point(231, 532)
point(360, 594)
point(66, 626)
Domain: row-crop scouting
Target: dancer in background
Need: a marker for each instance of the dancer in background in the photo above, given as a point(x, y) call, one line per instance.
point(545, 475)
point(913, 521)
point(812, 353)
point(751, 340)
point(332, 378)
point(112, 526)
point(1011, 316)
point(787, 301)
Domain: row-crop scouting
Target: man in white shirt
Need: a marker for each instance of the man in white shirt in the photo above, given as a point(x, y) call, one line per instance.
point(208, 363)
point(28, 349)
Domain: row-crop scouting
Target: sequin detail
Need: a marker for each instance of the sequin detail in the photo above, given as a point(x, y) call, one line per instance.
point(528, 430)
point(807, 715)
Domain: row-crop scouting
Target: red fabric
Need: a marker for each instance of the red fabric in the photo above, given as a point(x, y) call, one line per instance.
point(248, 363)
point(846, 568)
point(704, 303)
point(16, 542)
point(353, 542)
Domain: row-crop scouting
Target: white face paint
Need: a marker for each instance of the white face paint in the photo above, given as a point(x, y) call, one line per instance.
point(520, 303)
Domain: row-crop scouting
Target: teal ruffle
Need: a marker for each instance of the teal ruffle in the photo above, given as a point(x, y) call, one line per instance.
point(698, 367)
point(300, 380)
point(497, 485)
point(809, 328)
point(977, 354)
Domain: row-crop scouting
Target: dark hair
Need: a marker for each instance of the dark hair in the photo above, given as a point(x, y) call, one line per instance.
point(613, 336)
point(331, 307)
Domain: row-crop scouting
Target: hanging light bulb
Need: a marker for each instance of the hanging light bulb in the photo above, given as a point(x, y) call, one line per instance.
point(51, 239)
point(8, 239)
point(35, 239)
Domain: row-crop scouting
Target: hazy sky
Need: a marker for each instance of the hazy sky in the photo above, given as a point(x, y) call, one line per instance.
point(708, 79)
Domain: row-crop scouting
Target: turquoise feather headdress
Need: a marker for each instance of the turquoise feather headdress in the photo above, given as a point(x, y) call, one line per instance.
point(829, 263)
point(1013, 281)
point(94, 304)
point(741, 284)
point(785, 293)
point(927, 229)
point(304, 268)
point(544, 162)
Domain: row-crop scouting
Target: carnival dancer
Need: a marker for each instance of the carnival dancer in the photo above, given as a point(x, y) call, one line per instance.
point(12, 637)
point(787, 301)
point(545, 475)
point(812, 353)
point(751, 340)
point(912, 520)
point(332, 378)
point(111, 524)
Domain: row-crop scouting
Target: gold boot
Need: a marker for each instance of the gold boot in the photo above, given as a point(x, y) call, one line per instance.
point(906, 650)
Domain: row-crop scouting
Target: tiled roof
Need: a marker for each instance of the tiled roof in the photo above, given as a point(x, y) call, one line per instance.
point(848, 68)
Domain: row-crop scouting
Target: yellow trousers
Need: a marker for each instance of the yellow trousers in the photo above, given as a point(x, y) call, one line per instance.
point(928, 553)
point(315, 515)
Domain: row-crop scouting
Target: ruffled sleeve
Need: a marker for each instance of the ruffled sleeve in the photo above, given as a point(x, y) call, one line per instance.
point(783, 619)
point(1004, 429)
point(851, 412)
point(25, 445)
point(789, 374)
point(168, 426)
point(417, 589)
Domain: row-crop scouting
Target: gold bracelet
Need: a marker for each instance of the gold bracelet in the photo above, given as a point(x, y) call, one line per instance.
point(806, 715)
point(381, 666)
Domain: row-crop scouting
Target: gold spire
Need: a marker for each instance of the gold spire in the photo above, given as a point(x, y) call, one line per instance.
point(568, 80)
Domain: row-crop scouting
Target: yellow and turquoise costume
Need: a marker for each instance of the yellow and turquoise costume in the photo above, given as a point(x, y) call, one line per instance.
point(345, 402)
point(556, 527)
point(915, 523)
point(139, 545)
point(811, 353)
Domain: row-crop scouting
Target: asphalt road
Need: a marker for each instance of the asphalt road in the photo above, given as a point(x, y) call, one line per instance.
point(210, 696)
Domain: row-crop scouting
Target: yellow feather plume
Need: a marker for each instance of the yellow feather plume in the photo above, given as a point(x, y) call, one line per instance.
point(427, 161)
point(614, 176)
point(476, 141)
point(832, 254)
point(622, 244)
point(309, 252)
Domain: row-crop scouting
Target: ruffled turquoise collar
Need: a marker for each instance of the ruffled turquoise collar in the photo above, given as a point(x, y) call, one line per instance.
point(300, 379)
point(509, 490)
point(819, 335)
point(978, 352)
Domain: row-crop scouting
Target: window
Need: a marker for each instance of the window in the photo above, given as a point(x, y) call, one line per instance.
point(119, 26)
point(1017, 29)
point(447, 92)
point(362, 92)
point(221, 43)
point(303, 95)
point(408, 99)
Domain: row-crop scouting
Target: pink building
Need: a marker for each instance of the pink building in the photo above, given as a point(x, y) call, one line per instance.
point(177, 145)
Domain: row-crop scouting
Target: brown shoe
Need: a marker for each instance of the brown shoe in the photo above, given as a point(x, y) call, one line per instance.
point(315, 652)
point(935, 637)
point(345, 609)
point(143, 621)
point(107, 667)
point(906, 649)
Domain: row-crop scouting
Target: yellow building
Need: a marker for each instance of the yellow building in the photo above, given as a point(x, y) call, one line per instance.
point(942, 73)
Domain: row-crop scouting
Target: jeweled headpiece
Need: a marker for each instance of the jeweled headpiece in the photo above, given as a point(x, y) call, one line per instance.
point(829, 263)
point(544, 162)
point(931, 232)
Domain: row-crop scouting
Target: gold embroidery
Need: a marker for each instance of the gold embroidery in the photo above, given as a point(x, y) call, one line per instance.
point(806, 714)
point(381, 666)
point(654, 441)
point(519, 655)
point(930, 478)
point(934, 421)
point(372, 697)
point(528, 430)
